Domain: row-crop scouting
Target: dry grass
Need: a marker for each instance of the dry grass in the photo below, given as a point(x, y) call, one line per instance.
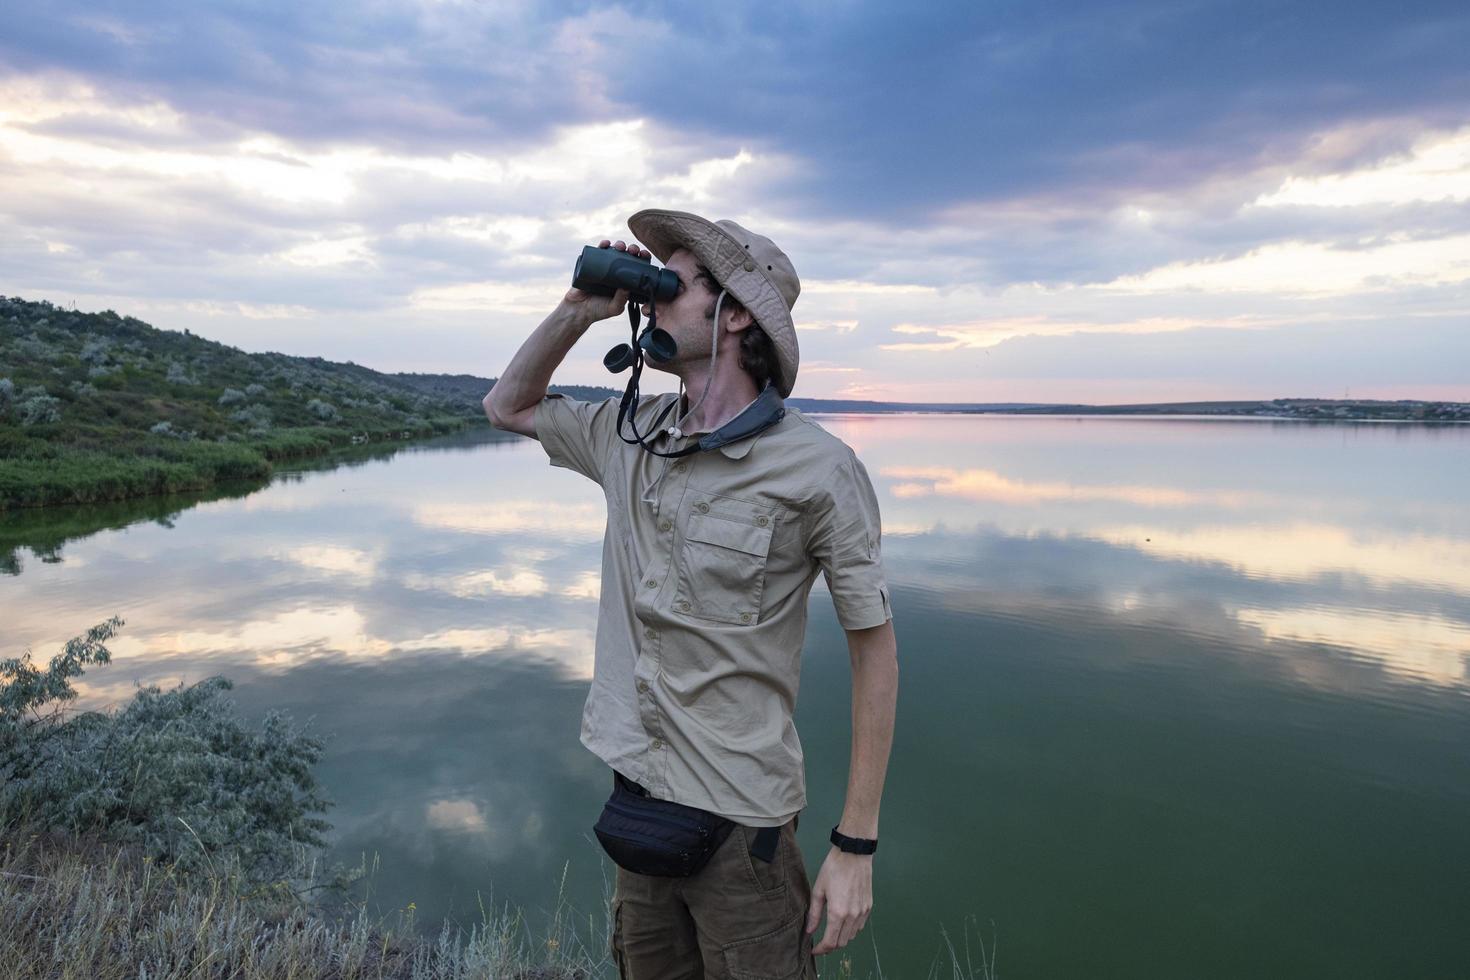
point(88, 910)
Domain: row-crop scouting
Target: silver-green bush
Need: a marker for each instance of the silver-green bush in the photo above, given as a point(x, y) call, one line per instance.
point(173, 772)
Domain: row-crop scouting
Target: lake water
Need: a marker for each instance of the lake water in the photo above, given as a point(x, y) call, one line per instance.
point(1180, 698)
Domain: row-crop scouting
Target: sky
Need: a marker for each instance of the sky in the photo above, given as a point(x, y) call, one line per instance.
point(1049, 201)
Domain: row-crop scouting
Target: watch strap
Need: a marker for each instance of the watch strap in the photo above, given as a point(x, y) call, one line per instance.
point(853, 845)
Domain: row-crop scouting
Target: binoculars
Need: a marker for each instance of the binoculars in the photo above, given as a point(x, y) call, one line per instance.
point(602, 272)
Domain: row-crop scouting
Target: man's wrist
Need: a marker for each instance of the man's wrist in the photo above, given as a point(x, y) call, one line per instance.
point(849, 844)
point(576, 315)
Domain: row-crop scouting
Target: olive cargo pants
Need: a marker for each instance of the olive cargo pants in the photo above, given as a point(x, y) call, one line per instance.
point(737, 918)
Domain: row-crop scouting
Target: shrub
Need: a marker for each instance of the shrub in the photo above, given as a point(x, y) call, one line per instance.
point(173, 772)
point(179, 375)
point(167, 429)
point(325, 411)
point(36, 407)
point(231, 396)
point(96, 351)
point(258, 417)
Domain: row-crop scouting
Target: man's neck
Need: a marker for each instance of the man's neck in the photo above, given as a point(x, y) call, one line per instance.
point(722, 404)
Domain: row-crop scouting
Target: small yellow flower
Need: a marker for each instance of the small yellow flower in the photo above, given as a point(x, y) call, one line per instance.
point(412, 906)
point(553, 943)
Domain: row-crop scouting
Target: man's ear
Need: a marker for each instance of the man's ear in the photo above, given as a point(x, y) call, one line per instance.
point(739, 318)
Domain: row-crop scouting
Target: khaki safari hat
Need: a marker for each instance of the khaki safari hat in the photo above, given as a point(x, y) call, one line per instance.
point(750, 266)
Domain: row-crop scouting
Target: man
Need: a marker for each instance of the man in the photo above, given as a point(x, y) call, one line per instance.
point(707, 564)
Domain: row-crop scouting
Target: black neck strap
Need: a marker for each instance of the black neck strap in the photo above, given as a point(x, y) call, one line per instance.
point(767, 409)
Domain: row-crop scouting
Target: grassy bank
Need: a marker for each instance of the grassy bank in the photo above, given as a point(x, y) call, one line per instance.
point(97, 406)
point(83, 909)
point(41, 474)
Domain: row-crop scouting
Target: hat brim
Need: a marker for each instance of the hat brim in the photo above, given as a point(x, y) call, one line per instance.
point(665, 232)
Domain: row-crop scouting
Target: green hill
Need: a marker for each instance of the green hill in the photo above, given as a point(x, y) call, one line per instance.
point(97, 406)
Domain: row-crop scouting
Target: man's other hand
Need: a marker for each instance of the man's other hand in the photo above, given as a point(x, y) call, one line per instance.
point(595, 307)
point(844, 887)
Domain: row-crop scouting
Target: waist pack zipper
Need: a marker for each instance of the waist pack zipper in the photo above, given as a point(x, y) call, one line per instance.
point(644, 838)
point(659, 816)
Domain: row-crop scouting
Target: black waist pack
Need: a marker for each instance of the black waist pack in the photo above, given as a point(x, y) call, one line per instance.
point(657, 837)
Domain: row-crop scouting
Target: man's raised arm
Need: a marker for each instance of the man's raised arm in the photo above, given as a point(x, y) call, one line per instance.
point(511, 403)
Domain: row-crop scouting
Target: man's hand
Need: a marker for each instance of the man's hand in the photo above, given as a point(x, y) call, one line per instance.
point(844, 887)
point(595, 307)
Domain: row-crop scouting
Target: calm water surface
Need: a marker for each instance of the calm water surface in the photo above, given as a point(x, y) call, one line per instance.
point(1180, 698)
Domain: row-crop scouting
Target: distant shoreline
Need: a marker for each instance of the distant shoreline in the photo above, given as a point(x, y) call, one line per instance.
point(1155, 416)
point(1293, 409)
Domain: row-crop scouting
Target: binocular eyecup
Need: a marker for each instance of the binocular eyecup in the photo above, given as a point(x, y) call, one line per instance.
point(656, 343)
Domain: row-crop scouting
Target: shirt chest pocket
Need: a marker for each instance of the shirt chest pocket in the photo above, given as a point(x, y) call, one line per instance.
point(722, 567)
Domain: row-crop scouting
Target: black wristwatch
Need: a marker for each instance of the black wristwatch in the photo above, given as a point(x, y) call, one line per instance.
point(853, 845)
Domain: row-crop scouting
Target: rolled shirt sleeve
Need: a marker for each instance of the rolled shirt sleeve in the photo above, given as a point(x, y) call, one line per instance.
point(844, 537)
point(578, 435)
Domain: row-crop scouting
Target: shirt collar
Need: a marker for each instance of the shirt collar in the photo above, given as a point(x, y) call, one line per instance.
point(733, 450)
point(738, 450)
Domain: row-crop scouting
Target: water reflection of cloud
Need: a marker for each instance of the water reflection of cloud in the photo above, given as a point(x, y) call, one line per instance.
point(462, 816)
point(583, 521)
point(343, 633)
point(1306, 551)
point(988, 485)
point(520, 582)
point(332, 558)
point(588, 585)
point(1418, 647)
point(517, 582)
point(1403, 630)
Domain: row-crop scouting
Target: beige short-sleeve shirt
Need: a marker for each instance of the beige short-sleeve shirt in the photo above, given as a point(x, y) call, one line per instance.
point(707, 564)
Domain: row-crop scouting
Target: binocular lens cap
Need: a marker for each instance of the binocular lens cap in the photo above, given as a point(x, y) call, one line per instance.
point(619, 359)
point(659, 344)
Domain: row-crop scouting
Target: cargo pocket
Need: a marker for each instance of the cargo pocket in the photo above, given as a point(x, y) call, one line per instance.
point(723, 567)
point(769, 877)
point(775, 956)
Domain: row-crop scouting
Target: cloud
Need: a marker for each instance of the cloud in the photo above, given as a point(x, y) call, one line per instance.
point(1315, 269)
point(1435, 169)
point(954, 188)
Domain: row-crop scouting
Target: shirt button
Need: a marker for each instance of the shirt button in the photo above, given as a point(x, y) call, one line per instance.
point(745, 617)
point(651, 633)
point(643, 686)
point(657, 744)
point(684, 605)
point(664, 525)
point(702, 507)
point(652, 583)
point(762, 521)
